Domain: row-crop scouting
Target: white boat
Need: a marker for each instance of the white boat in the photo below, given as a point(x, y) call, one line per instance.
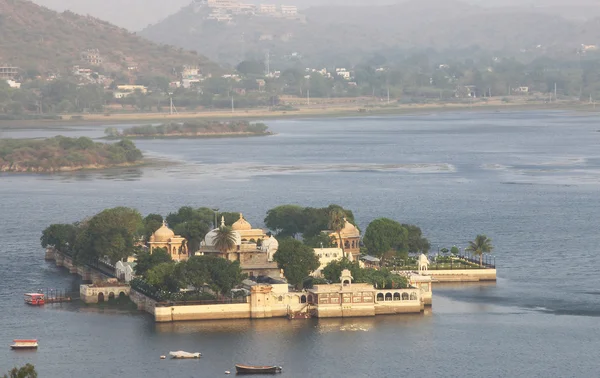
point(182, 354)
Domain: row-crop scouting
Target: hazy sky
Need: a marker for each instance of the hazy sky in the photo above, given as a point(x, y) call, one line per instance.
point(137, 14)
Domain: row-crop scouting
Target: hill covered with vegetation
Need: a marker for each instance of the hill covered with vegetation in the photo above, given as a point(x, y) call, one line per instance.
point(41, 41)
point(199, 128)
point(64, 154)
point(330, 33)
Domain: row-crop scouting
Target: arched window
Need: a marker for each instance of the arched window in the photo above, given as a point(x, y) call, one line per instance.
point(280, 299)
point(413, 296)
point(310, 298)
point(347, 244)
point(404, 296)
point(111, 296)
point(346, 283)
point(396, 296)
point(388, 297)
point(100, 297)
point(380, 297)
point(303, 299)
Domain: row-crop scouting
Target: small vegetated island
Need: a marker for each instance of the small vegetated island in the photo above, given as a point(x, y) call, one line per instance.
point(61, 154)
point(194, 129)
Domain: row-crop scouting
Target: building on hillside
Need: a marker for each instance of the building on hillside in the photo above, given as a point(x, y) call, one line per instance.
point(350, 236)
point(289, 10)
point(253, 248)
point(267, 9)
point(125, 271)
point(13, 84)
point(8, 72)
point(342, 72)
point(91, 56)
point(523, 90)
point(190, 72)
point(132, 88)
point(175, 245)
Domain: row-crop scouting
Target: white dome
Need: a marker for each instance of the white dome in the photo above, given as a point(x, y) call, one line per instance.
point(209, 239)
point(270, 245)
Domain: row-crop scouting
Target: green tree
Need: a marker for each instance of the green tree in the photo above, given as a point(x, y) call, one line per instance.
point(27, 371)
point(337, 221)
point(225, 239)
point(60, 236)
point(112, 233)
point(251, 67)
point(333, 270)
point(323, 240)
point(196, 272)
point(193, 231)
point(415, 241)
point(384, 235)
point(146, 260)
point(285, 220)
point(482, 244)
point(454, 250)
point(224, 274)
point(296, 259)
point(384, 279)
point(165, 277)
point(152, 222)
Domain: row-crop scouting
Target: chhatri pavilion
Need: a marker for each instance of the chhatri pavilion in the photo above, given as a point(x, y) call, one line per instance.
point(350, 236)
point(175, 245)
point(253, 248)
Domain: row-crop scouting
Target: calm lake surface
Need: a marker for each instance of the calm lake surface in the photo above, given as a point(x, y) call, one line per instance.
point(529, 180)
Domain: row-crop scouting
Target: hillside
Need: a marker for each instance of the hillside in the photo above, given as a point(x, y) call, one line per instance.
point(329, 33)
point(33, 37)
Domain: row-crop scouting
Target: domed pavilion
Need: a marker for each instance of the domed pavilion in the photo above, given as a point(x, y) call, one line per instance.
point(175, 245)
point(350, 238)
point(253, 248)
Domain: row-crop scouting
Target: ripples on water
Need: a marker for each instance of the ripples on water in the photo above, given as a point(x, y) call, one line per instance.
point(528, 180)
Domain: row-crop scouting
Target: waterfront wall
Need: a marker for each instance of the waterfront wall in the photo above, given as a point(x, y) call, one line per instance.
point(462, 275)
point(85, 272)
point(263, 304)
point(95, 294)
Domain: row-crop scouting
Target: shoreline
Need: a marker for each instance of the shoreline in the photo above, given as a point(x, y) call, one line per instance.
point(190, 136)
point(306, 112)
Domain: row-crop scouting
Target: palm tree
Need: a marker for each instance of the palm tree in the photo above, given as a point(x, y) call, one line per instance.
point(337, 221)
point(482, 244)
point(225, 239)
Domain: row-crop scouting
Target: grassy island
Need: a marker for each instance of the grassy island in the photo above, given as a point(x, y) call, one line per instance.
point(193, 129)
point(64, 154)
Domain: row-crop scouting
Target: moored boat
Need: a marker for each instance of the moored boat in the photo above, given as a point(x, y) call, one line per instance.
point(24, 344)
point(250, 369)
point(35, 299)
point(182, 354)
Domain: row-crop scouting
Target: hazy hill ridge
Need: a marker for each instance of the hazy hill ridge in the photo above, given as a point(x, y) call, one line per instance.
point(34, 37)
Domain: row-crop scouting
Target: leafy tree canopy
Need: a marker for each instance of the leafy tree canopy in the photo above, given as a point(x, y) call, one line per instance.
point(147, 260)
point(60, 236)
point(296, 259)
point(383, 235)
point(27, 371)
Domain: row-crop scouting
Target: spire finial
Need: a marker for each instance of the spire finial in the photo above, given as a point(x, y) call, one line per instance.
point(164, 223)
point(222, 221)
point(241, 216)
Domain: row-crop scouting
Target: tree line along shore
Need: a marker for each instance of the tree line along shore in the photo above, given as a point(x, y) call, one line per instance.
point(192, 128)
point(121, 234)
point(63, 154)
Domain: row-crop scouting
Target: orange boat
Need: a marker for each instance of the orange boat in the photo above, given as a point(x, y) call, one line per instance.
point(24, 344)
point(35, 299)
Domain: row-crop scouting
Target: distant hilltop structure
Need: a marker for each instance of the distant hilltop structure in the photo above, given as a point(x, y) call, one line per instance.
point(226, 10)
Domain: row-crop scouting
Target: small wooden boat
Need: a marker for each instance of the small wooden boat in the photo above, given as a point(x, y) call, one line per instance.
point(182, 354)
point(24, 344)
point(249, 369)
point(35, 299)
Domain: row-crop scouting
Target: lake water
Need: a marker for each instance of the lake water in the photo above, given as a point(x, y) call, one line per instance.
point(529, 180)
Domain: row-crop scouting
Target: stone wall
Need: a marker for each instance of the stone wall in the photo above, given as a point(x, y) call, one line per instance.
point(202, 312)
point(462, 275)
point(92, 293)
